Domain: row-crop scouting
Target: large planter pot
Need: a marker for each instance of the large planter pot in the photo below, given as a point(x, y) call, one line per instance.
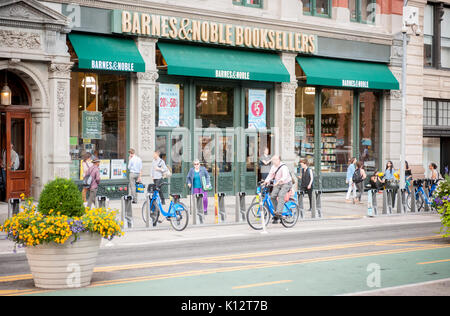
point(68, 265)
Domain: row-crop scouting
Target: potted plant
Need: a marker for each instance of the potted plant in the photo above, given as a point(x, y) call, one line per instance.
point(442, 204)
point(61, 237)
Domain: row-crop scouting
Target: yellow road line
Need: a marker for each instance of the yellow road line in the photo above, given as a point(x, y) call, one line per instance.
point(437, 261)
point(260, 284)
point(237, 256)
point(248, 267)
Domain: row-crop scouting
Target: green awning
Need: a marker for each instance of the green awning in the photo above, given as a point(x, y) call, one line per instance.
point(214, 62)
point(347, 73)
point(107, 53)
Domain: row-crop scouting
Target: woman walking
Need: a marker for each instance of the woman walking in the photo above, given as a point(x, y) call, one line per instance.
point(198, 180)
point(351, 186)
point(358, 180)
point(86, 164)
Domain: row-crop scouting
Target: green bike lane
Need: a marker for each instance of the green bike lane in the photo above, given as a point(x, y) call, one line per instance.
point(334, 275)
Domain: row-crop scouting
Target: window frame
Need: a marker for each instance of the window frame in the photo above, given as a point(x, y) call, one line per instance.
point(436, 112)
point(244, 3)
point(359, 14)
point(313, 10)
point(436, 45)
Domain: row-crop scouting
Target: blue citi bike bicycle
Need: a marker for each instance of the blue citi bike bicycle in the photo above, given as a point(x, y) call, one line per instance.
point(263, 202)
point(177, 214)
point(421, 197)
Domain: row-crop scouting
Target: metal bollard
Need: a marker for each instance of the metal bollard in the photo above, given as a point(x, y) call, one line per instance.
point(102, 202)
point(317, 211)
point(301, 207)
point(401, 201)
point(198, 207)
point(385, 203)
point(222, 213)
point(127, 211)
point(371, 210)
point(413, 201)
point(13, 207)
point(240, 207)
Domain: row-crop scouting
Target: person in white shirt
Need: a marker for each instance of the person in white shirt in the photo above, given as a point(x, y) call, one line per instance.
point(282, 183)
point(135, 171)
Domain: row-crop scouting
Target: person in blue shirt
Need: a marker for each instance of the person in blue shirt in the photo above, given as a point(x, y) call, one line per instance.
point(389, 172)
point(135, 172)
point(195, 183)
point(349, 180)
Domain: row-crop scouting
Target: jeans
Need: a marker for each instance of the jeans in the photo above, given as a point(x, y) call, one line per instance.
point(351, 187)
point(92, 195)
point(133, 179)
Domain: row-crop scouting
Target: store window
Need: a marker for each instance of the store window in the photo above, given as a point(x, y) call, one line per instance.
point(98, 122)
point(428, 32)
point(304, 123)
point(169, 105)
point(214, 107)
point(317, 7)
point(369, 130)
point(429, 113)
point(362, 11)
point(444, 113)
point(336, 129)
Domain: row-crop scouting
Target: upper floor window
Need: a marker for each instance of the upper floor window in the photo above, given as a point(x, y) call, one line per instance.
point(445, 39)
point(249, 3)
point(428, 33)
point(362, 11)
point(317, 7)
point(436, 36)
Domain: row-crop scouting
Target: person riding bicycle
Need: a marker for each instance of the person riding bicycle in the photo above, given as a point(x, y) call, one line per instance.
point(281, 176)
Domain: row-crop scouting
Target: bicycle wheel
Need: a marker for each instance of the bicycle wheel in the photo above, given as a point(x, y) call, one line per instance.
point(409, 199)
point(290, 220)
point(254, 216)
point(181, 218)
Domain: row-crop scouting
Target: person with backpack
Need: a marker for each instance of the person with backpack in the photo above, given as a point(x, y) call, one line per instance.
point(306, 180)
point(93, 181)
point(358, 179)
point(282, 178)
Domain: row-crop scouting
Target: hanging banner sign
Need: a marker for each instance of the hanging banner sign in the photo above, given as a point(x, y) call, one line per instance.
point(257, 109)
point(169, 105)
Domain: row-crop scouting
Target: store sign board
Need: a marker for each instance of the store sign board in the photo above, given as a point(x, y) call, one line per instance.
point(300, 127)
point(210, 32)
point(257, 109)
point(169, 105)
point(355, 83)
point(92, 125)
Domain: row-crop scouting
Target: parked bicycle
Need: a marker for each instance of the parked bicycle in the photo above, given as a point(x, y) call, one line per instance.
point(421, 197)
point(263, 202)
point(177, 214)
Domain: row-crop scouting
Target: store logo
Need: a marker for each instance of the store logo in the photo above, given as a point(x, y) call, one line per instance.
point(355, 83)
point(229, 74)
point(112, 65)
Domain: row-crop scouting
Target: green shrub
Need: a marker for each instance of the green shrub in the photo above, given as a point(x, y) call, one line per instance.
point(442, 204)
point(61, 195)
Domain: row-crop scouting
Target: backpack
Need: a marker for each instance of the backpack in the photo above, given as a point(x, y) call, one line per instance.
point(357, 178)
point(87, 180)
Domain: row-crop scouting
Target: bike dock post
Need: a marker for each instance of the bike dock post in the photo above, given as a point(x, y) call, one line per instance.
point(317, 210)
point(13, 206)
point(385, 202)
point(372, 203)
point(413, 200)
point(102, 202)
point(222, 213)
point(301, 207)
point(401, 201)
point(198, 208)
point(240, 207)
point(127, 211)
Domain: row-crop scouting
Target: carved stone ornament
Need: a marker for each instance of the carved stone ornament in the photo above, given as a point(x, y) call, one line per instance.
point(148, 75)
point(61, 92)
point(146, 118)
point(19, 39)
point(289, 87)
point(61, 70)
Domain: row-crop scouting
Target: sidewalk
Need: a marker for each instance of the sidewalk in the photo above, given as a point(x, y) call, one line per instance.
point(337, 214)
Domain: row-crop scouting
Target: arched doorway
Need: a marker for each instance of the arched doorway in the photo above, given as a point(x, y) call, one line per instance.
point(15, 137)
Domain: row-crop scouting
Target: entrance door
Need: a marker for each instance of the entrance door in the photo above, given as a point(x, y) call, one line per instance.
point(216, 152)
point(15, 133)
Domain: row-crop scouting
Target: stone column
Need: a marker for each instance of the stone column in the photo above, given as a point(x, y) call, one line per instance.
point(58, 145)
point(285, 113)
point(142, 107)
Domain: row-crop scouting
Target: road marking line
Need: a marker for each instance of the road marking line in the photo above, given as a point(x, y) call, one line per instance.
point(260, 284)
point(11, 278)
point(437, 261)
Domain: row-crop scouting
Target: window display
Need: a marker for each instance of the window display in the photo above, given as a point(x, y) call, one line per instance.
point(98, 110)
point(369, 130)
point(336, 129)
point(304, 124)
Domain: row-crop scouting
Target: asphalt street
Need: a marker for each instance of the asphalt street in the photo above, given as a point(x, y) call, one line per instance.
point(402, 256)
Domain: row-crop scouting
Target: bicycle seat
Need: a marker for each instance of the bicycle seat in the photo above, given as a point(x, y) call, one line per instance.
point(175, 196)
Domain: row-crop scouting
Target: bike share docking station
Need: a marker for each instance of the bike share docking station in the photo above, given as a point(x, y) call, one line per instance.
point(391, 198)
point(240, 207)
point(316, 203)
point(127, 211)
